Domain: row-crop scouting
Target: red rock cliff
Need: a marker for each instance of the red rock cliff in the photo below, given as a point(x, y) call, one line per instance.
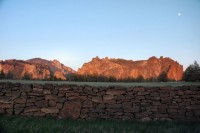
point(19, 68)
point(58, 69)
point(121, 68)
point(38, 68)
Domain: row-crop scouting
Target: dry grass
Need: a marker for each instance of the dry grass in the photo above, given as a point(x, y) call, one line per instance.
point(150, 84)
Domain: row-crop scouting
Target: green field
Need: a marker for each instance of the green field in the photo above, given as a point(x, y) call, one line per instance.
point(19, 124)
point(150, 84)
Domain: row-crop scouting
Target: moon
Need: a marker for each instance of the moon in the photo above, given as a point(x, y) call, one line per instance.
point(179, 14)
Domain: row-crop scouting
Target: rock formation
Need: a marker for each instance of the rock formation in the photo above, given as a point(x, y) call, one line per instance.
point(19, 68)
point(37, 68)
point(121, 69)
point(58, 69)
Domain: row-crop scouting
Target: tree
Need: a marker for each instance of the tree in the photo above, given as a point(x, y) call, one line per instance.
point(139, 79)
point(27, 76)
point(163, 77)
point(192, 73)
point(2, 75)
point(72, 77)
point(9, 75)
point(51, 77)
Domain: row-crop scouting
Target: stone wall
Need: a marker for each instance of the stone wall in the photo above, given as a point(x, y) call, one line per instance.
point(114, 102)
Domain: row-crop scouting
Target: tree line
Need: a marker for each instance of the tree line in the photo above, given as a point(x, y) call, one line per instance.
point(100, 78)
point(11, 75)
point(88, 78)
point(191, 74)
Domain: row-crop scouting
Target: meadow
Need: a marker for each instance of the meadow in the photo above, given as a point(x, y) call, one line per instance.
point(105, 84)
point(20, 124)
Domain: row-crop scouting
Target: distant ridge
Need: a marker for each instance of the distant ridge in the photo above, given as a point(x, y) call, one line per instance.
point(42, 69)
point(121, 69)
point(37, 68)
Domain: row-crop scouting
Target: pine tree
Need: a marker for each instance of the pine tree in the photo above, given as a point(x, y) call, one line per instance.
point(2, 75)
point(163, 77)
point(192, 73)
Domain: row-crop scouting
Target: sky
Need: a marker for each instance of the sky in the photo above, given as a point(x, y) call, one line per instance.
point(75, 31)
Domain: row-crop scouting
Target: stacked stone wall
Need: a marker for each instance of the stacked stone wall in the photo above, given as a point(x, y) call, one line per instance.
point(113, 102)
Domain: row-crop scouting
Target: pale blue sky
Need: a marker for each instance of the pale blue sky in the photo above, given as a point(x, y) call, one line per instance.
point(74, 31)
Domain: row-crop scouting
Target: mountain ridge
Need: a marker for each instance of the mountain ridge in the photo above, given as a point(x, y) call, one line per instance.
point(37, 68)
point(121, 68)
point(41, 69)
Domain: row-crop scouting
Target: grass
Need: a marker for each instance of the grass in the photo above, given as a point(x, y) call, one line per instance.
point(149, 84)
point(19, 124)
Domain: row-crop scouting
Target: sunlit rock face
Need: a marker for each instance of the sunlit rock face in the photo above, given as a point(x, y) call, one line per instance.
point(58, 69)
point(19, 68)
point(37, 68)
point(120, 68)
